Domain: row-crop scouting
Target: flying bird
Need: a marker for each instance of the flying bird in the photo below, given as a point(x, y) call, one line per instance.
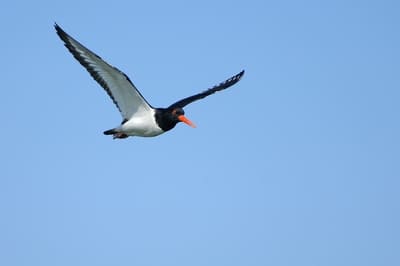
point(139, 117)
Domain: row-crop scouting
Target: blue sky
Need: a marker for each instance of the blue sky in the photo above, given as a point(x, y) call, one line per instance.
point(297, 164)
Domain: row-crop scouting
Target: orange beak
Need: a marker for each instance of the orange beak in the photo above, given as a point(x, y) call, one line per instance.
point(183, 119)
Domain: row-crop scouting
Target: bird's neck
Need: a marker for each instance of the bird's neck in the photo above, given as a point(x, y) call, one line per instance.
point(164, 119)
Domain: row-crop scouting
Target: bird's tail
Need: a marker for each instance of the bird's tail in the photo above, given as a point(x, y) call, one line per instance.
point(116, 134)
point(110, 132)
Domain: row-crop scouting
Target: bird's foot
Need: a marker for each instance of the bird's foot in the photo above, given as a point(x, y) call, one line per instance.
point(120, 135)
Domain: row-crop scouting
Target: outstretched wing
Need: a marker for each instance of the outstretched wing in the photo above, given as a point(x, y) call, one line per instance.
point(222, 86)
point(117, 84)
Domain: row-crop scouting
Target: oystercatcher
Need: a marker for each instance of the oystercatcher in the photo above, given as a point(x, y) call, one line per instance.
point(139, 117)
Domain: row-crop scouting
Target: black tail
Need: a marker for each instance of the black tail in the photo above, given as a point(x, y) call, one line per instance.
point(110, 132)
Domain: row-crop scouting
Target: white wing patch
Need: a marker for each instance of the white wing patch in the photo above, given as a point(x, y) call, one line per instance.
point(116, 83)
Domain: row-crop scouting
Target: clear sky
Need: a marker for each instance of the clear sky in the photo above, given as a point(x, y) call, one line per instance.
point(297, 164)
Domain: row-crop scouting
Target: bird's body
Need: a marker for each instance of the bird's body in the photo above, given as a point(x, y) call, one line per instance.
point(139, 117)
point(144, 125)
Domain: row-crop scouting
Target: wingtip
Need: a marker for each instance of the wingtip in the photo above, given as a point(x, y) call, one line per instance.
point(239, 75)
point(61, 33)
point(58, 29)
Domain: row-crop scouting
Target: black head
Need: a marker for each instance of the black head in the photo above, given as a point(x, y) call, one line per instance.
point(169, 117)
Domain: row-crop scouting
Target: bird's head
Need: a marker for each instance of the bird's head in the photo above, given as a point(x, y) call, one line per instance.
point(178, 115)
point(167, 118)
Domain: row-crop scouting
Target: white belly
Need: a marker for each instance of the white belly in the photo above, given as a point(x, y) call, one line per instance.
point(144, 126)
